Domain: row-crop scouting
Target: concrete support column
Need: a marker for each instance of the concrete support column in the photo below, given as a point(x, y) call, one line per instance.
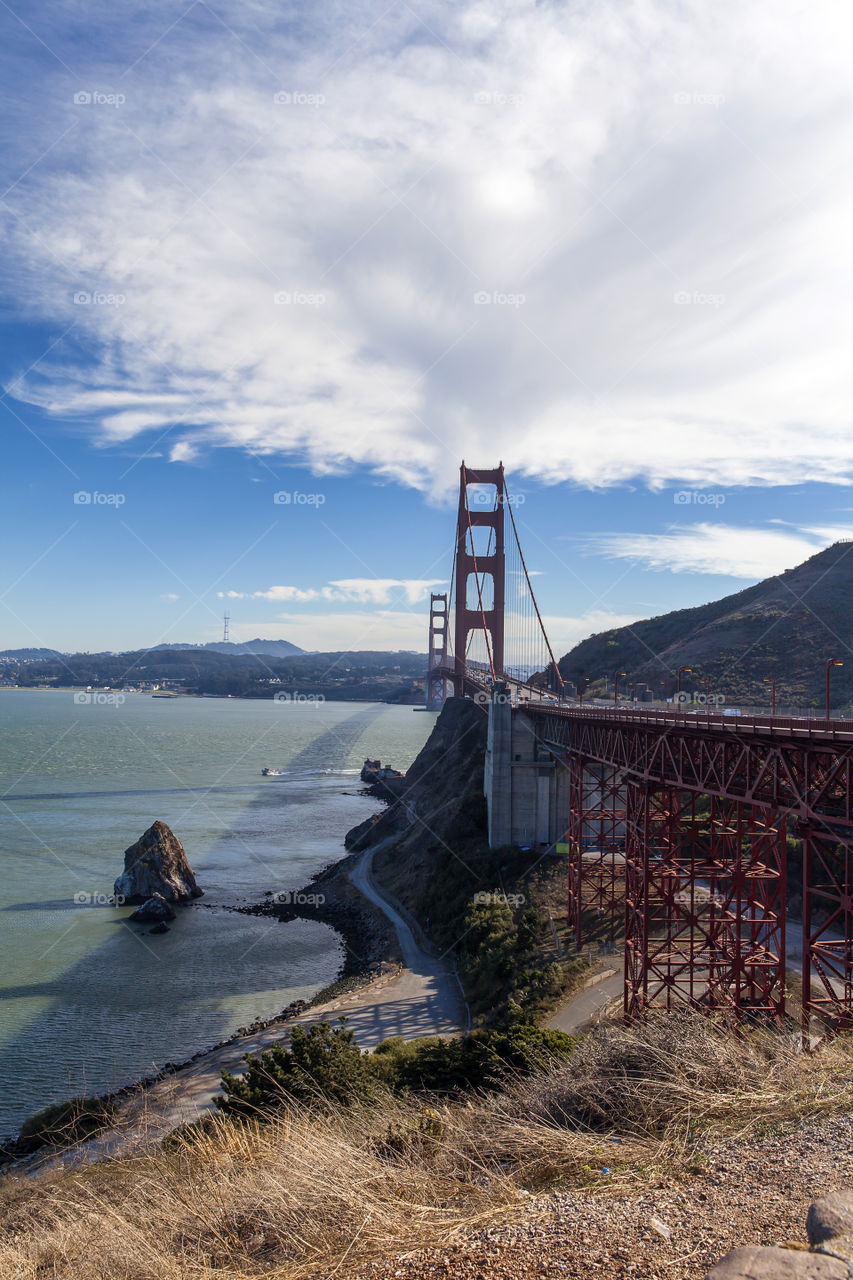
point(497, 777)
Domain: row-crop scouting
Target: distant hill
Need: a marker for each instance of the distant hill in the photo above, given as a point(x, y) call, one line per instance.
point(29, 655)
point(273, 648)
point(785, 627)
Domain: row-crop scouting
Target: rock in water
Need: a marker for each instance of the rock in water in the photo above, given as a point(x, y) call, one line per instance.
point(156, 865)
point(154, 908)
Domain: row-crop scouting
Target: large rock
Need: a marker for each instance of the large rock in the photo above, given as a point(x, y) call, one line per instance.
point(155, 910)
point(830, 1216)
point(156, 864)
point(755, 1263)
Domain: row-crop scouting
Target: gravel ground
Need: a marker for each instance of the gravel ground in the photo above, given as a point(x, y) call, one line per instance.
point(754, 1191)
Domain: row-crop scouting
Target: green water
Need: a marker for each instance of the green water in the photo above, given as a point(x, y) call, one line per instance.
point(88, 1002)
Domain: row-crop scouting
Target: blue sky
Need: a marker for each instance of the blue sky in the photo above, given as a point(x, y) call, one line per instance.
point(328, 251)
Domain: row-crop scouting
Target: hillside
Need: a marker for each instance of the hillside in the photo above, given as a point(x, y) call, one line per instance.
point(785, 627)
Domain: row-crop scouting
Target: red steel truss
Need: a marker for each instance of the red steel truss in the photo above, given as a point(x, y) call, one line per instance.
point(725, 947)
point(596, 839)
point(704, 912)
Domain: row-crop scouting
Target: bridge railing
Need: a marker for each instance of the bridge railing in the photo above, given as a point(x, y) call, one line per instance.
point(836, 728)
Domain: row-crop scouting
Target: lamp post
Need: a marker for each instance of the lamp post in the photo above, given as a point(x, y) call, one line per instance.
point(830, 662)
point(581, 682)
point(616, 687)
point(772, 682)
point(678, 683)
point(633, 692)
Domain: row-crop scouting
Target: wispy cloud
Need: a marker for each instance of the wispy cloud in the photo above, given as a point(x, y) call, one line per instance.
point(739, 552)
point(346, 590)
point(662, 286)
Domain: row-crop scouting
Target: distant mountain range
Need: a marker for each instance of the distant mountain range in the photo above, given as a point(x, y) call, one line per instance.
point(272, 648)
point(784, 627)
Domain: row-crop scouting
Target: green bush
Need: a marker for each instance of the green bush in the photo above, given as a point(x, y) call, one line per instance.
point(322, 1063)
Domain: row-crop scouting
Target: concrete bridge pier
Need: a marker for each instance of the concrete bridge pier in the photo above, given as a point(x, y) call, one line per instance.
point(528, 791)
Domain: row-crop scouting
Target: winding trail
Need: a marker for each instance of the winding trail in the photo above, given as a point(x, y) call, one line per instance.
point(423, 998)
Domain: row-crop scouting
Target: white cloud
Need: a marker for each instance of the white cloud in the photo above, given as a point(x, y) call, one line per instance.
point(170, 595)
point(717, 548)
point(598, 161)
point(347, 590)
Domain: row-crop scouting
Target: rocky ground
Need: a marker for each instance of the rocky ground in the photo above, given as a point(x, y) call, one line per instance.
point(751, 1191)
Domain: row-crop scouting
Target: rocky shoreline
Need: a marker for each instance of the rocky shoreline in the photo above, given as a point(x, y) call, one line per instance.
point(370, 947)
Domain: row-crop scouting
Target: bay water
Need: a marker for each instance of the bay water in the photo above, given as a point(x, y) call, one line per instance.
point(88, 1002)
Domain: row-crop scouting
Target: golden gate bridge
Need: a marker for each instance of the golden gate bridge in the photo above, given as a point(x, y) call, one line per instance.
point(673, 822)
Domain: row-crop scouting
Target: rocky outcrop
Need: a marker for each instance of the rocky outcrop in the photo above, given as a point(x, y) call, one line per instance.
point(153, 911)
point(156, 866)
point(830, 1230)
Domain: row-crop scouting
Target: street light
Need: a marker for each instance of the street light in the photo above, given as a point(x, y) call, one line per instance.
point(678, 683)
point(633, 692)
point(616, 686)
point(581, 682)
point(772, 682)
point(830, 662)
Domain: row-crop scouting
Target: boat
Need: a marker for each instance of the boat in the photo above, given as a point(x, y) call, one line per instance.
point(269, 772)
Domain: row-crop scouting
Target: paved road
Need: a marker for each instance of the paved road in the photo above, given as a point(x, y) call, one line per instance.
point(421, 999)
point(583, 1010)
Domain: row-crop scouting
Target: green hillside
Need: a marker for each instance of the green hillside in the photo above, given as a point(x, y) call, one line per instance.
point(785, 627)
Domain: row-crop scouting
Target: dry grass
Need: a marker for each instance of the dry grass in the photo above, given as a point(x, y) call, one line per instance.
point(321, 1191)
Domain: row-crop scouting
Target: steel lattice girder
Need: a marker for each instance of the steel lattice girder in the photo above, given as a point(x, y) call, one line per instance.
point(596, 838)
point(704, 912)
point(806, 778)
point(827, 924)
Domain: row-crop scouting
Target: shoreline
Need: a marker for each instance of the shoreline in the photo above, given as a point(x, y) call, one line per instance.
point(370, 952)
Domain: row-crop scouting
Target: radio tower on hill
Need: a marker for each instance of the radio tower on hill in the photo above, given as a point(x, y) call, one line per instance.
point(225, 621)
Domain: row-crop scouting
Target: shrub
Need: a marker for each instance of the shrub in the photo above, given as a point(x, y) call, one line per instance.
point(322, 1063)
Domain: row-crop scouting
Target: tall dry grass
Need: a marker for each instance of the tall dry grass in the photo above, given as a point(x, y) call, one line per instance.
point(321, 1190)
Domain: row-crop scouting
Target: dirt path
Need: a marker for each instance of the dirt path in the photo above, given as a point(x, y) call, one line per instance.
point(423, 998)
